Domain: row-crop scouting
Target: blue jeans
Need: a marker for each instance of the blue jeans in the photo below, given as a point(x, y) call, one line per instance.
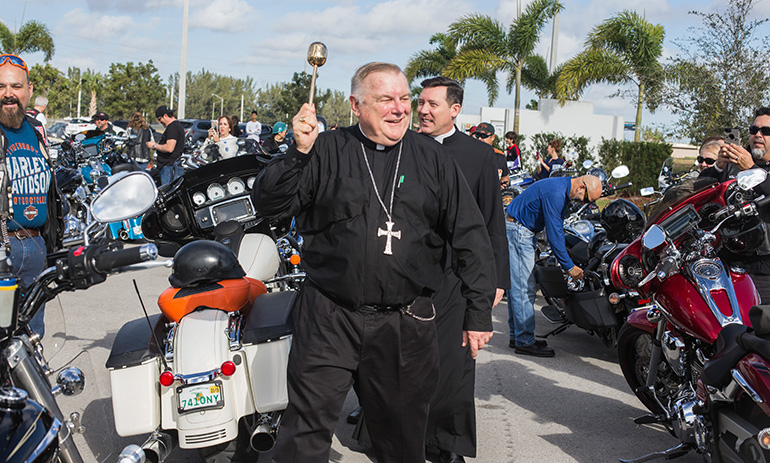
point(28, 260)
point(522, 244)
point(170, 173)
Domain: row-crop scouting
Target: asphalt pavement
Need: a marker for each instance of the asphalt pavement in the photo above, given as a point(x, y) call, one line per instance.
point(574, 407)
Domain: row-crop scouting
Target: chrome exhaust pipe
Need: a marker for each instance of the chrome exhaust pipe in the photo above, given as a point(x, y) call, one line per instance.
point(262, 438)
point(158, 447)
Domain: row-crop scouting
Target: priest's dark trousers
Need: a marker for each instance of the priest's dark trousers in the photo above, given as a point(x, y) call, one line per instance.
point(393, 359)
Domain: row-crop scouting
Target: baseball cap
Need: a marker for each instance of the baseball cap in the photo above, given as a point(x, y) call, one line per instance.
point(279, 127)
point(162, 111)
point(472, 130)
point(485, 127)
point(100, 116)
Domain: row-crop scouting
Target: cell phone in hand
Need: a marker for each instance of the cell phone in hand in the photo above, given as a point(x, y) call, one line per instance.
point(733, 136)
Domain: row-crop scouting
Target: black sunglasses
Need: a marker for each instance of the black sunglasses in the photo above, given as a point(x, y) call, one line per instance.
point(482, 135)
point(708, 161)
point(754, 129)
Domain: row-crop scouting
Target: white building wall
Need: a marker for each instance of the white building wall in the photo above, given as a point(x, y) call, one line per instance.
point(575, 118)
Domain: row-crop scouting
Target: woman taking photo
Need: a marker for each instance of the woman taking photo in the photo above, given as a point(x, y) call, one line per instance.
point(137, 147)
point(221, 143)
point(545, 166)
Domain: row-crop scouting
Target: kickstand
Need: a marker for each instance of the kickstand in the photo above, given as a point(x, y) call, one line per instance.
point(556, 330)
point(670, 454)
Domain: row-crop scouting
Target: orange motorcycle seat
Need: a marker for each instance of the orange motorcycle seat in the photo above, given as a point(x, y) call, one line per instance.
point(227, 295)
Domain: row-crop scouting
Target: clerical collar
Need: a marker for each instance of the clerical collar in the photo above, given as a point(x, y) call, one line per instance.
point(441, 138)
point(372, 145)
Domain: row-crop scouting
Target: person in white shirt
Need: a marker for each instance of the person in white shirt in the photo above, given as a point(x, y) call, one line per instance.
point(253, 127)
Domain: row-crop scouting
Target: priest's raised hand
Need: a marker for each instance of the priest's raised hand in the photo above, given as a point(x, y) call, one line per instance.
point(305, 126)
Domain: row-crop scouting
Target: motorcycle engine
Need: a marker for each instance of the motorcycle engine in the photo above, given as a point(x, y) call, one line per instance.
point(689, 426)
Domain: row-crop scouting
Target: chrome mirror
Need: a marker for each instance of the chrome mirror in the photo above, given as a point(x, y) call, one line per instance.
point(129, 194)
point(653, 237)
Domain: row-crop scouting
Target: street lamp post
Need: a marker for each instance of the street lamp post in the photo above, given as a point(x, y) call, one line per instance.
point(221, 105)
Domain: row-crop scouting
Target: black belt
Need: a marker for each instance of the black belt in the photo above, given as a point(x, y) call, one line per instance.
point(372, 309)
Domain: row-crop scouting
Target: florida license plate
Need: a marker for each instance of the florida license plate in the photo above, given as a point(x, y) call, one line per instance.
point(200, 396)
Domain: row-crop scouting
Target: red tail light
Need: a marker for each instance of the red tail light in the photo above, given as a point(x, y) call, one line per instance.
point(166, 379)
point(227, 368)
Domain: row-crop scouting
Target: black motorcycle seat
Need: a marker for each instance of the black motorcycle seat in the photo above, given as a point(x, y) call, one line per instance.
point(716, 372)
point(125, 167)
point(135, 344)
point(270, 317)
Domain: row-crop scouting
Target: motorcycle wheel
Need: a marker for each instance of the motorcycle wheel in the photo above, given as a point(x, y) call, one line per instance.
point(634, 352)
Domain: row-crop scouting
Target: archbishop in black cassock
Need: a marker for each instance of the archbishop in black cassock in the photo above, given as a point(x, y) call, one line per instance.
point(376, 206)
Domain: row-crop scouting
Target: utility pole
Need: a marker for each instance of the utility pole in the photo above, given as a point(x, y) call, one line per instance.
point(554, 42)
point(221, 105)
point(183, 69)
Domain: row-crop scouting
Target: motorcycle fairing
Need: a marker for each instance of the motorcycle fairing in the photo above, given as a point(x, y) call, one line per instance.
point(756, 371)
point(228, 295)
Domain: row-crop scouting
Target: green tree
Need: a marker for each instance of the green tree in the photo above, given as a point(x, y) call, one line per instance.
point(335, 107)
point(294, 94)
point(535, 76)
point(622, 49)
point(486, 48)
point(32, 36)
point(201, 88)
point(722, 74)
point(132, 87)
point(91, 83)
point(430, 63)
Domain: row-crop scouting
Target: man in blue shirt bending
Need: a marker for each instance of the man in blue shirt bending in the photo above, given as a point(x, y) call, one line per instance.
point(542, 205)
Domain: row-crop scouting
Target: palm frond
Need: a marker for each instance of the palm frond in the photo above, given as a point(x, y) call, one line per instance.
point(590, 67)
point(477, 31)
point(34, 36)
point(524, 33)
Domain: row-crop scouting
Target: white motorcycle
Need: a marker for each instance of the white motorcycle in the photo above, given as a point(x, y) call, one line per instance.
point(210, 374)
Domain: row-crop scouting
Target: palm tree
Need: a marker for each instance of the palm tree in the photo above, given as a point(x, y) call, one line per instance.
point(622, 49)
point(32, 36)
point(487, 48)
point(91, 81)
point(535, 76)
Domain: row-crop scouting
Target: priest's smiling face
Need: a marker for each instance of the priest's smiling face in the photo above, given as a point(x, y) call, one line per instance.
point(384, 107)
point(437, 116)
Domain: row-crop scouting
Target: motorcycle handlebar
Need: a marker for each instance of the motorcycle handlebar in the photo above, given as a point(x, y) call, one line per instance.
point(108, 261)
point(624, 186)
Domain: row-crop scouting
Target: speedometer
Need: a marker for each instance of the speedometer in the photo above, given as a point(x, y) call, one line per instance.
point(215, 192)
point(199, 198)
point(250, 181)
point(235, 186)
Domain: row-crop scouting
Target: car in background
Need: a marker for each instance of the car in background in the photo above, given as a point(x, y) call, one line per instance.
point(196, 129)
point(77, 125)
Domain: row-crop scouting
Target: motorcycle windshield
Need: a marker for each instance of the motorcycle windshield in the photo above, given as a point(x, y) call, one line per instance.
point(677, 193)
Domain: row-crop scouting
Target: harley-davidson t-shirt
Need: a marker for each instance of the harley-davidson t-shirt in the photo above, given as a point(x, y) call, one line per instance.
point(30, 177)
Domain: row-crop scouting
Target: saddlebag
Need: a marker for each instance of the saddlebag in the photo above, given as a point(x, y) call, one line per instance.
point(551, 280)
point(266, 340)
point(590, 310)
point(134, 366)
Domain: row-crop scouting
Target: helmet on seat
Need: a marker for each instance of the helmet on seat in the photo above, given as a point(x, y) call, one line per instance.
point(743, 236)
point(204, 261)
point(623, 221)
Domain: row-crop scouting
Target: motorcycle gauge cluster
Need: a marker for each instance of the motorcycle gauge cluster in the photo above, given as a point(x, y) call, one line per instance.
point(235, 186)
point(215, 192)
point(199, 198)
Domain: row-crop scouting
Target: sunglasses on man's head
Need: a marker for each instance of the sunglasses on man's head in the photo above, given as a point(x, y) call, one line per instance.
point(482, 135)
point(708, 161)
point(754, 129)
point(14, 60)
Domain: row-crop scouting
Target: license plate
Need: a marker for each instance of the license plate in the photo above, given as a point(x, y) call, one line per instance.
point(200, 396)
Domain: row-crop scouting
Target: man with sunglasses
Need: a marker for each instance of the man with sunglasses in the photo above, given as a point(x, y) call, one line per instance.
point(733, 159)
point(486, 133)
point(541, 206)
point(32, 212)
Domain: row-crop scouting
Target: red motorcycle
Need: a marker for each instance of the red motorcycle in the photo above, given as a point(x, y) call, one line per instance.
point(693, 358)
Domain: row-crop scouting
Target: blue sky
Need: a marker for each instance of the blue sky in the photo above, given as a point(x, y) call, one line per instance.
point(268, 40)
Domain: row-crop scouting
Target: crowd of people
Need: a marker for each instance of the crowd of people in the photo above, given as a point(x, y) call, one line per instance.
point(407, 248)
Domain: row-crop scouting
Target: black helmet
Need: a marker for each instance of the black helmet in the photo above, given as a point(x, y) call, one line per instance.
point(599, 173)
point(743, 236)
point(623, 221)
point(204, 261)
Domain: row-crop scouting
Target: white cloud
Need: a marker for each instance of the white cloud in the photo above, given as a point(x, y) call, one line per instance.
point(223, 16)
point(95, 25)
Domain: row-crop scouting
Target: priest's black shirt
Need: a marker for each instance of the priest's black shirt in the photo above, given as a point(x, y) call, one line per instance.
point(338, 215)
point(478, 163)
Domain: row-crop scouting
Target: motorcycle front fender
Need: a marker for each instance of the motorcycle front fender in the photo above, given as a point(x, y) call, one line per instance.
point(638, 319)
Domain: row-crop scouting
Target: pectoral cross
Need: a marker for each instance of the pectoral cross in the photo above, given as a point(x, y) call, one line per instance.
point(390, 234)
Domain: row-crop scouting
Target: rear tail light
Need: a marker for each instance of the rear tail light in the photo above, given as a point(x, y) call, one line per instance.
point(227, 368)
point(166, 379)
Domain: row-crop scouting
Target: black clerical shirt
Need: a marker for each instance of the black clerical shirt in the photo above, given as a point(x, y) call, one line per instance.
point(342, 222)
